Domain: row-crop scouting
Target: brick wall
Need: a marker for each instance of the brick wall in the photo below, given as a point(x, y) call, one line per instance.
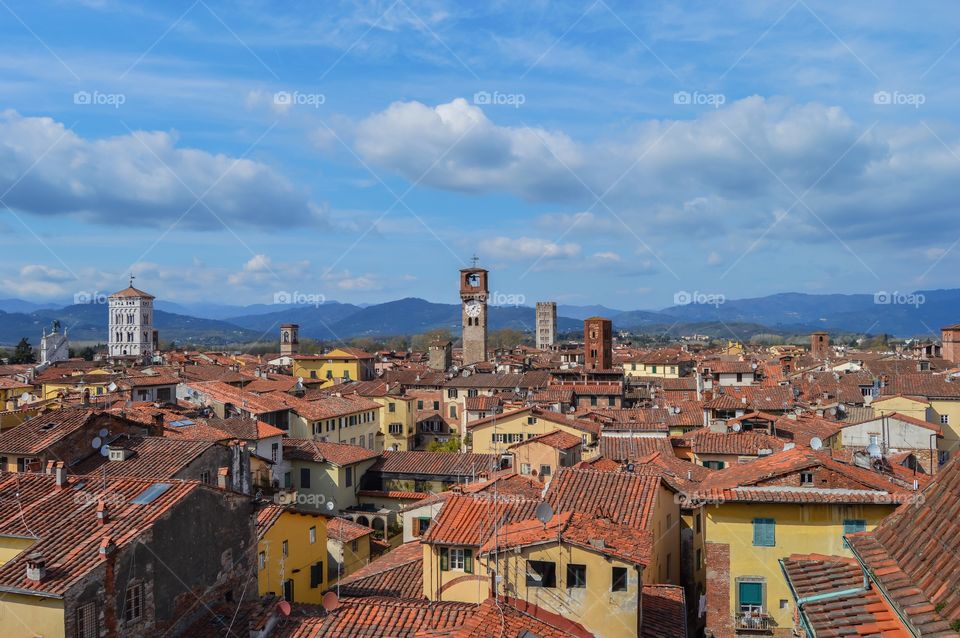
point(719, 617)
point(822, 477)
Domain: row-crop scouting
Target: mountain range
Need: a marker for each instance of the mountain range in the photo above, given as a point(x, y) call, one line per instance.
point(907, 314)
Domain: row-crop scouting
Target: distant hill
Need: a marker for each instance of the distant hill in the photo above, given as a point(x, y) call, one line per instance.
point(914, 314)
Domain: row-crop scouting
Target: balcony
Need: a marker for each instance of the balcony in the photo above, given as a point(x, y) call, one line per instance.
point(753, 622)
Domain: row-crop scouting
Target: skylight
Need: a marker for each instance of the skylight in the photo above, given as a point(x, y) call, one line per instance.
point(151, 494)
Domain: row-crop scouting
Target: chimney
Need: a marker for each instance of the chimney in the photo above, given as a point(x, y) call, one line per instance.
point(158, 419)
point(106, 547)
point(36, 567)
point(103, 515)
point(60, 474)
point(222, 476)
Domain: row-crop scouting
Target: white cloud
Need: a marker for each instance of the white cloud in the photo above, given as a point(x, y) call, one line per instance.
point(527, 248)
point(714, 258)
point(143, 177)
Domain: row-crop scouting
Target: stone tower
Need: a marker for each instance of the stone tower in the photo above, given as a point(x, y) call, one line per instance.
point(546, 324)
point(130, 325)
point(54, 346)
point(473, 297)
point(597, 344)
point(820, 345)
point(289, 339)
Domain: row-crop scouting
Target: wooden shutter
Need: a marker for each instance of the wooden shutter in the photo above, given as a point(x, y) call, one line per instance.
point(468, 561)
point(444, 559)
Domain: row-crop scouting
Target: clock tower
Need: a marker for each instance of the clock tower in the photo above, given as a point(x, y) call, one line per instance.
point(473, 297)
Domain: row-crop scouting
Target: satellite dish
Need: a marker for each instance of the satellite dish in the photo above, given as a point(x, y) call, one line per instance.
point(330, 505)
point(330, 601)
point(284, 607)
point(816, 443)
point(105, 450)
point(736, 427)
point(112, 387)
point(96, 443)
point(544, 512)
point(103, 433)
point(300, 380)
point(874, 451)
point(631, 467)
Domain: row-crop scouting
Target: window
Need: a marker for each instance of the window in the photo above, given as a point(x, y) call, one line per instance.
point(541, 573)
point(313, 535)
point(205, 477)
point(619, 579)
point(472, 392)
point(524, 468)
point(806, 478)
point(262, 560)
point(355, 546)
point(349, 477)
point(436, 405)
point(612, 401)
point(133, 603)
point(453, 411)
point(87, 626)
point(316, 575)
point(576, 576)
point(305, 477)
point(275, 452)
point(764, 534)
point(456, 559)
point(392, 407)
point(852, 526)
point(420, 404)
point(945, 419)
point(421, 525)
point(285, 549)
point(451, 393)
point(699, 559)
point(699, 523)
point(750, 595)
point(531, 420)
point(288, 590)
point(714, 465)
point(593, 400)
point(739, 377)
point(396, 428)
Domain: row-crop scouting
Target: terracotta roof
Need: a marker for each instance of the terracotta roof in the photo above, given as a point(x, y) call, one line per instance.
point(154, 457)
point(739, 443)
point(380, 617)
point(345, 530)
point(583, 425)
point(130, 291)
point(664, 612)
point(630, 448)
point(757, 398)
point(341, 454)
point(624, 498)
point(43, 430)
point(396, 574)
point(482, 403)
point(69, 533)
point(506, 485)
point(331, 406)
point(805, 427)
point(144, 381)
point(556, 439)
point(854, 613)
point(510, 617)
point(470, 520)
point(921, 384)
point(394, 494)
point(435, 463)
point(271, 512)
point(915, 554)
point(553, 395)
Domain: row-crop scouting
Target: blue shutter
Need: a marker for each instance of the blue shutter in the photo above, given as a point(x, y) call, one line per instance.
point(764, 534)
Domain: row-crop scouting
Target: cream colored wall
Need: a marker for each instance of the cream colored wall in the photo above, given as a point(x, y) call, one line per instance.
point(405, 414)
point(799, 529)
point(13, 546)
point(665, 523)
point(31, 616)
point(482, 435)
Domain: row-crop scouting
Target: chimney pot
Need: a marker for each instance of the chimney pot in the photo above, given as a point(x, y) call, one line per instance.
point(103, 515)
point(36, 567)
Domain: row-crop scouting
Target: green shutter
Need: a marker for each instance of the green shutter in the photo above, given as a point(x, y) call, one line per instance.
point(764, 534)
point(444, 559)
point(854, 526)
point(468, 561)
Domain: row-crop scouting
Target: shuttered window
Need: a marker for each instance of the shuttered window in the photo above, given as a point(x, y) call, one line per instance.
point(764, 534)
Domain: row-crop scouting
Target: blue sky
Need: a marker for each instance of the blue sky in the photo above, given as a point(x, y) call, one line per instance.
point(588, 152)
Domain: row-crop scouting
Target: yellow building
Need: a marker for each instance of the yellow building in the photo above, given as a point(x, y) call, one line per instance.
point(96, 382)
point(335, 366)
point(321, 472)
point(793, 502)
point(11, 390)
point(348, 548)
point(495, 434)
point(398, 422)
point(347, 418)
point(666, 365)
point(291, 553)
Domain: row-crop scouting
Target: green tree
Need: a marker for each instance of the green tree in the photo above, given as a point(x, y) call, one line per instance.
point(506, 339)
point(452, 445)
point(23, 353)
point(421, 342)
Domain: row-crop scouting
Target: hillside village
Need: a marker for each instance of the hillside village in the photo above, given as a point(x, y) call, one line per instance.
point(565, 488)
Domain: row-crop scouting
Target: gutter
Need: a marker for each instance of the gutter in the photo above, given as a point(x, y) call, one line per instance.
point(30, 592)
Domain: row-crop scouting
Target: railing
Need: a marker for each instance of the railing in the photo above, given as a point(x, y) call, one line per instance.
point(753, 621)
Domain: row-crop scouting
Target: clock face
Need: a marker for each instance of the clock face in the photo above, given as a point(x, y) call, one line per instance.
point(474, 308)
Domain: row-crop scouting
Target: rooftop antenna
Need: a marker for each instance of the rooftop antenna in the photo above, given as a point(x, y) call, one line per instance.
point(474, 259)
point(132, 277)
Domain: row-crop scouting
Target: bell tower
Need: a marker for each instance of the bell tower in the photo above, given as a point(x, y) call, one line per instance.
point(473, 298)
